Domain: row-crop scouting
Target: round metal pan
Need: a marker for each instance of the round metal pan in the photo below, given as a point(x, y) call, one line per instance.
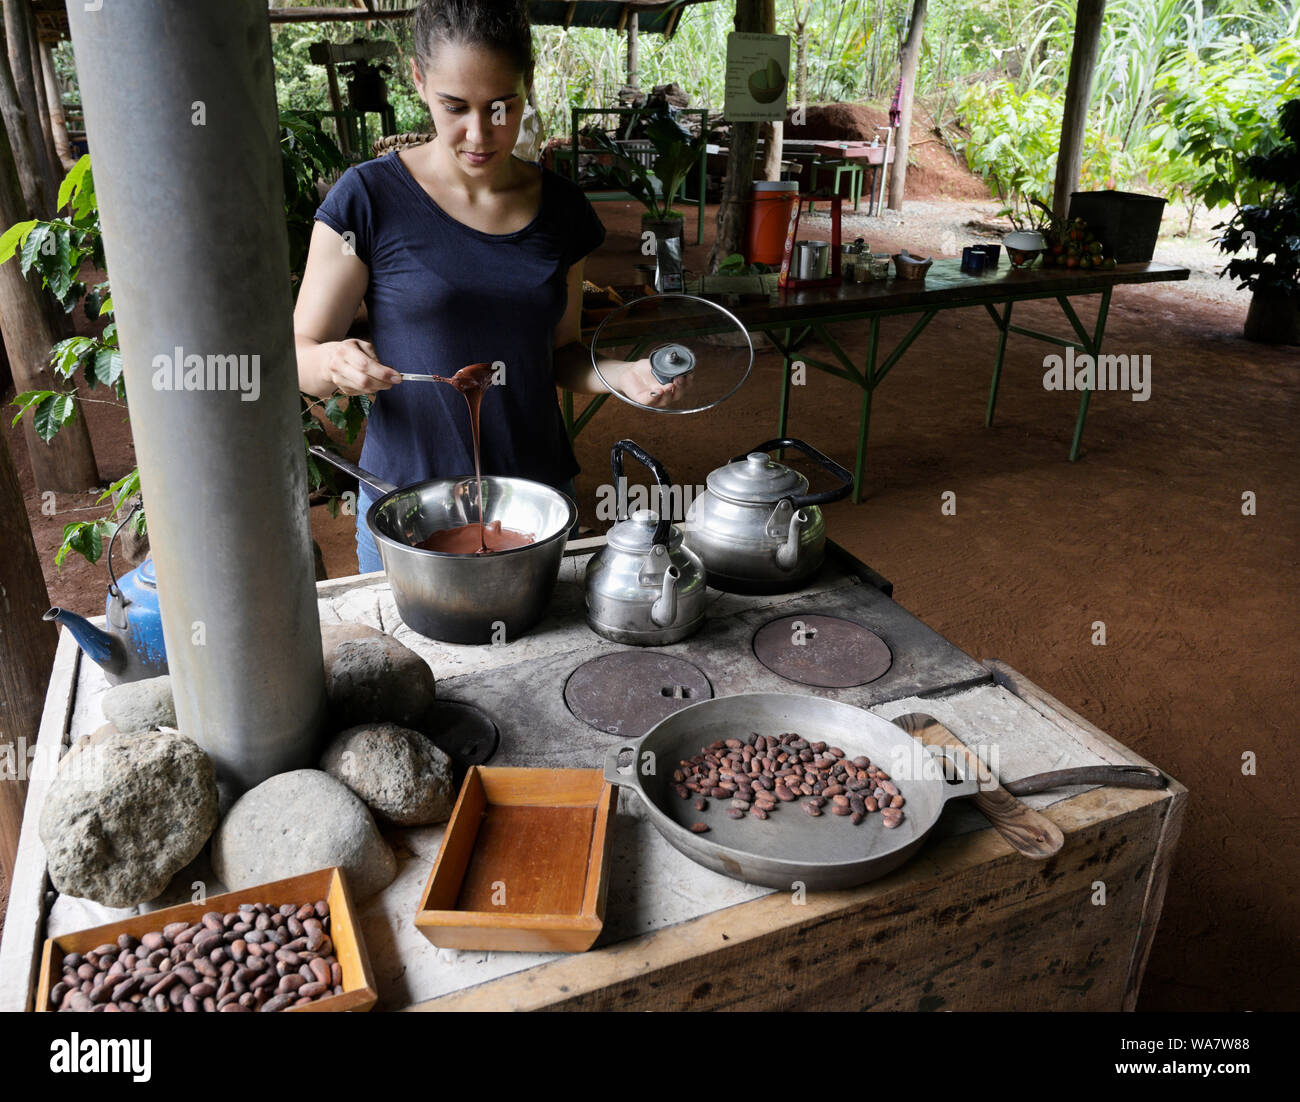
point(789, 847)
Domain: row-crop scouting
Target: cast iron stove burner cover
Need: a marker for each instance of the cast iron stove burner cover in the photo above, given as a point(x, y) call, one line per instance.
point(628, 692)
point(463, 733)
point(825, 651)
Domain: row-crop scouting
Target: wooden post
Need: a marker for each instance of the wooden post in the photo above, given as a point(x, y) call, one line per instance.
point(17, 14)
point(66, 463)
point(733, 210)
point(27, 645)
point(336, 102)
point(771, 131)
point(20, 144)
point(633, 48)
point(43, 104)
point(58, 124)
point(1083, 59)
point(911, 54)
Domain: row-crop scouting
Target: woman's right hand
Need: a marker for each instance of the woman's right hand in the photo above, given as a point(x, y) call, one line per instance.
point(353, 368)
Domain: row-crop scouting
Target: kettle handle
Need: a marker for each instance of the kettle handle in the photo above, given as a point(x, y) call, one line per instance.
point(800, 501)
point(632, 448)
point(112, 577)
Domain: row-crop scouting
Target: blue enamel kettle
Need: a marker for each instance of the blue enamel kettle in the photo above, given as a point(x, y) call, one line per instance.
point(132, 647)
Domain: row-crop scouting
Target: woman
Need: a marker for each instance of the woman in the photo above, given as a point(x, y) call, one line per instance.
point(463, 254)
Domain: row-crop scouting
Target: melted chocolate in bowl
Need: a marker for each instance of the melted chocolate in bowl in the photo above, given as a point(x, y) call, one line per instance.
point(478, 538)
point(469, 538)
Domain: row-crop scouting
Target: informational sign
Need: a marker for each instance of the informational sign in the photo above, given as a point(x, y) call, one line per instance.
point(758, 77)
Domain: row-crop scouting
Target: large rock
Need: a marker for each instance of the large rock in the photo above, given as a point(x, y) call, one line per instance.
point(402, 776)
point(124, 813)
point(370, 677)
point(141, 705)
point(299, 822)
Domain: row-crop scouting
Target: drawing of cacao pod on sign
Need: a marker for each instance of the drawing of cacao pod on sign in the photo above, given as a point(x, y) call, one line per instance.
point(767, 83)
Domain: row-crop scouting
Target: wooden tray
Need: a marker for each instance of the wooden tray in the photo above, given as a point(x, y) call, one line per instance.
point(358, 983)
point(524, 862)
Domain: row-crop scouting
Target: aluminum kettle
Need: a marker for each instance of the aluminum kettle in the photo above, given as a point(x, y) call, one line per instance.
point(645, 587)
point(756, 527)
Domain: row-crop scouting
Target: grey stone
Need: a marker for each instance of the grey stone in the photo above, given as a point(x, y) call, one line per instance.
point(402, 776)
point(370, 677)
point(195, 883)
point(124, 813)
point(296, 823)
point(141, 705)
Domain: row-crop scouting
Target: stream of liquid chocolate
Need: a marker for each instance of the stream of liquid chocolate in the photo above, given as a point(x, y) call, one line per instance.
point(479, 538)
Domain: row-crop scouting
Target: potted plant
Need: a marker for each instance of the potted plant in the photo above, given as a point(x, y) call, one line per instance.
point(654, 185)
point(1271, 228)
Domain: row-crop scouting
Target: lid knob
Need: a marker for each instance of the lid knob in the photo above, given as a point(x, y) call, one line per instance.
point(647, 518)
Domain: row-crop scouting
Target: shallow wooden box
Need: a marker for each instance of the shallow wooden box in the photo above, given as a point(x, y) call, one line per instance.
point(358, 983)
point(524, 862)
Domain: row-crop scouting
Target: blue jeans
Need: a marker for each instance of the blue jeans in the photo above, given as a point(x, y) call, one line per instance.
point(368, 560)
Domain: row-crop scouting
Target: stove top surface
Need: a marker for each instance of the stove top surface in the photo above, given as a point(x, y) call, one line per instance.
point(571, 691)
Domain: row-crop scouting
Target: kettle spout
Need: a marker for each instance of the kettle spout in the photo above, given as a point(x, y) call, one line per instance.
point(105, 649)
point(664, 611)
point(787, 555)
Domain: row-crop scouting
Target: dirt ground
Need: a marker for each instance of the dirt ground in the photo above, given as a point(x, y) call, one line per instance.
point(1146, 533)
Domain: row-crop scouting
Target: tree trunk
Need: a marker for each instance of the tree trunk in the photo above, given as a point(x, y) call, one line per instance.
point(43, 104)
point(27, 645)
point(67, 462)
point(15, 122)
point(772, 132)
point(58, 124)
point(1074, 120)
point(801, 62)
point(633, 45)
point(17, 14)
point(911, 54)
point(733, 212)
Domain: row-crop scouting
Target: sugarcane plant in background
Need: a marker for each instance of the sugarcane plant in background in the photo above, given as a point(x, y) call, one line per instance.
point(55, 251)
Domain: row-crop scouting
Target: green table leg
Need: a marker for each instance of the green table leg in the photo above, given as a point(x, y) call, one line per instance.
point(864, 420)
point(783, 413)
point(1003, 323)
point(1094, 350)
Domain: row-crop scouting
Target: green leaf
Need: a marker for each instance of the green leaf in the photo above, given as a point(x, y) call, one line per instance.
point(72, 181)
point(68, 354)
point(107, 366)
point(123, 489)
point(26, 400)
point(32, 245)
point(86, 538)
point(52, 414)
point(13, 237)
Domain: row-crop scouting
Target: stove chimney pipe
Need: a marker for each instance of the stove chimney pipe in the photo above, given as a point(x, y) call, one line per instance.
point(181, 117)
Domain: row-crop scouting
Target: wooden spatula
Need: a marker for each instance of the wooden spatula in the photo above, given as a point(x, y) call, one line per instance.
point(1029, 833)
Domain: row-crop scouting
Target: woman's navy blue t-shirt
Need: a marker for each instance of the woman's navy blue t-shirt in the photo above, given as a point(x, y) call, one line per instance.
point(443, 295)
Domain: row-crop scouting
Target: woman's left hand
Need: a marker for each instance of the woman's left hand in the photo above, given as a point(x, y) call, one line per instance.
point(635, 380)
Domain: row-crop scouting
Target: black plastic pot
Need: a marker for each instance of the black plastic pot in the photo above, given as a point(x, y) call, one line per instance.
point(1126, 224)
point(1273, 318)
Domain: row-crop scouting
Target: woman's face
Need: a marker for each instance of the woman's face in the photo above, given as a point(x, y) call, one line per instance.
point(476, 98)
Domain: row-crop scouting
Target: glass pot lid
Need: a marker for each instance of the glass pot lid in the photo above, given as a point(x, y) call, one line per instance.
point(691, 353)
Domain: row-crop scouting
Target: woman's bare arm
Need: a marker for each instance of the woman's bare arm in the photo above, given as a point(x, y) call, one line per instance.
point(332, 288)
point(575, 371)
